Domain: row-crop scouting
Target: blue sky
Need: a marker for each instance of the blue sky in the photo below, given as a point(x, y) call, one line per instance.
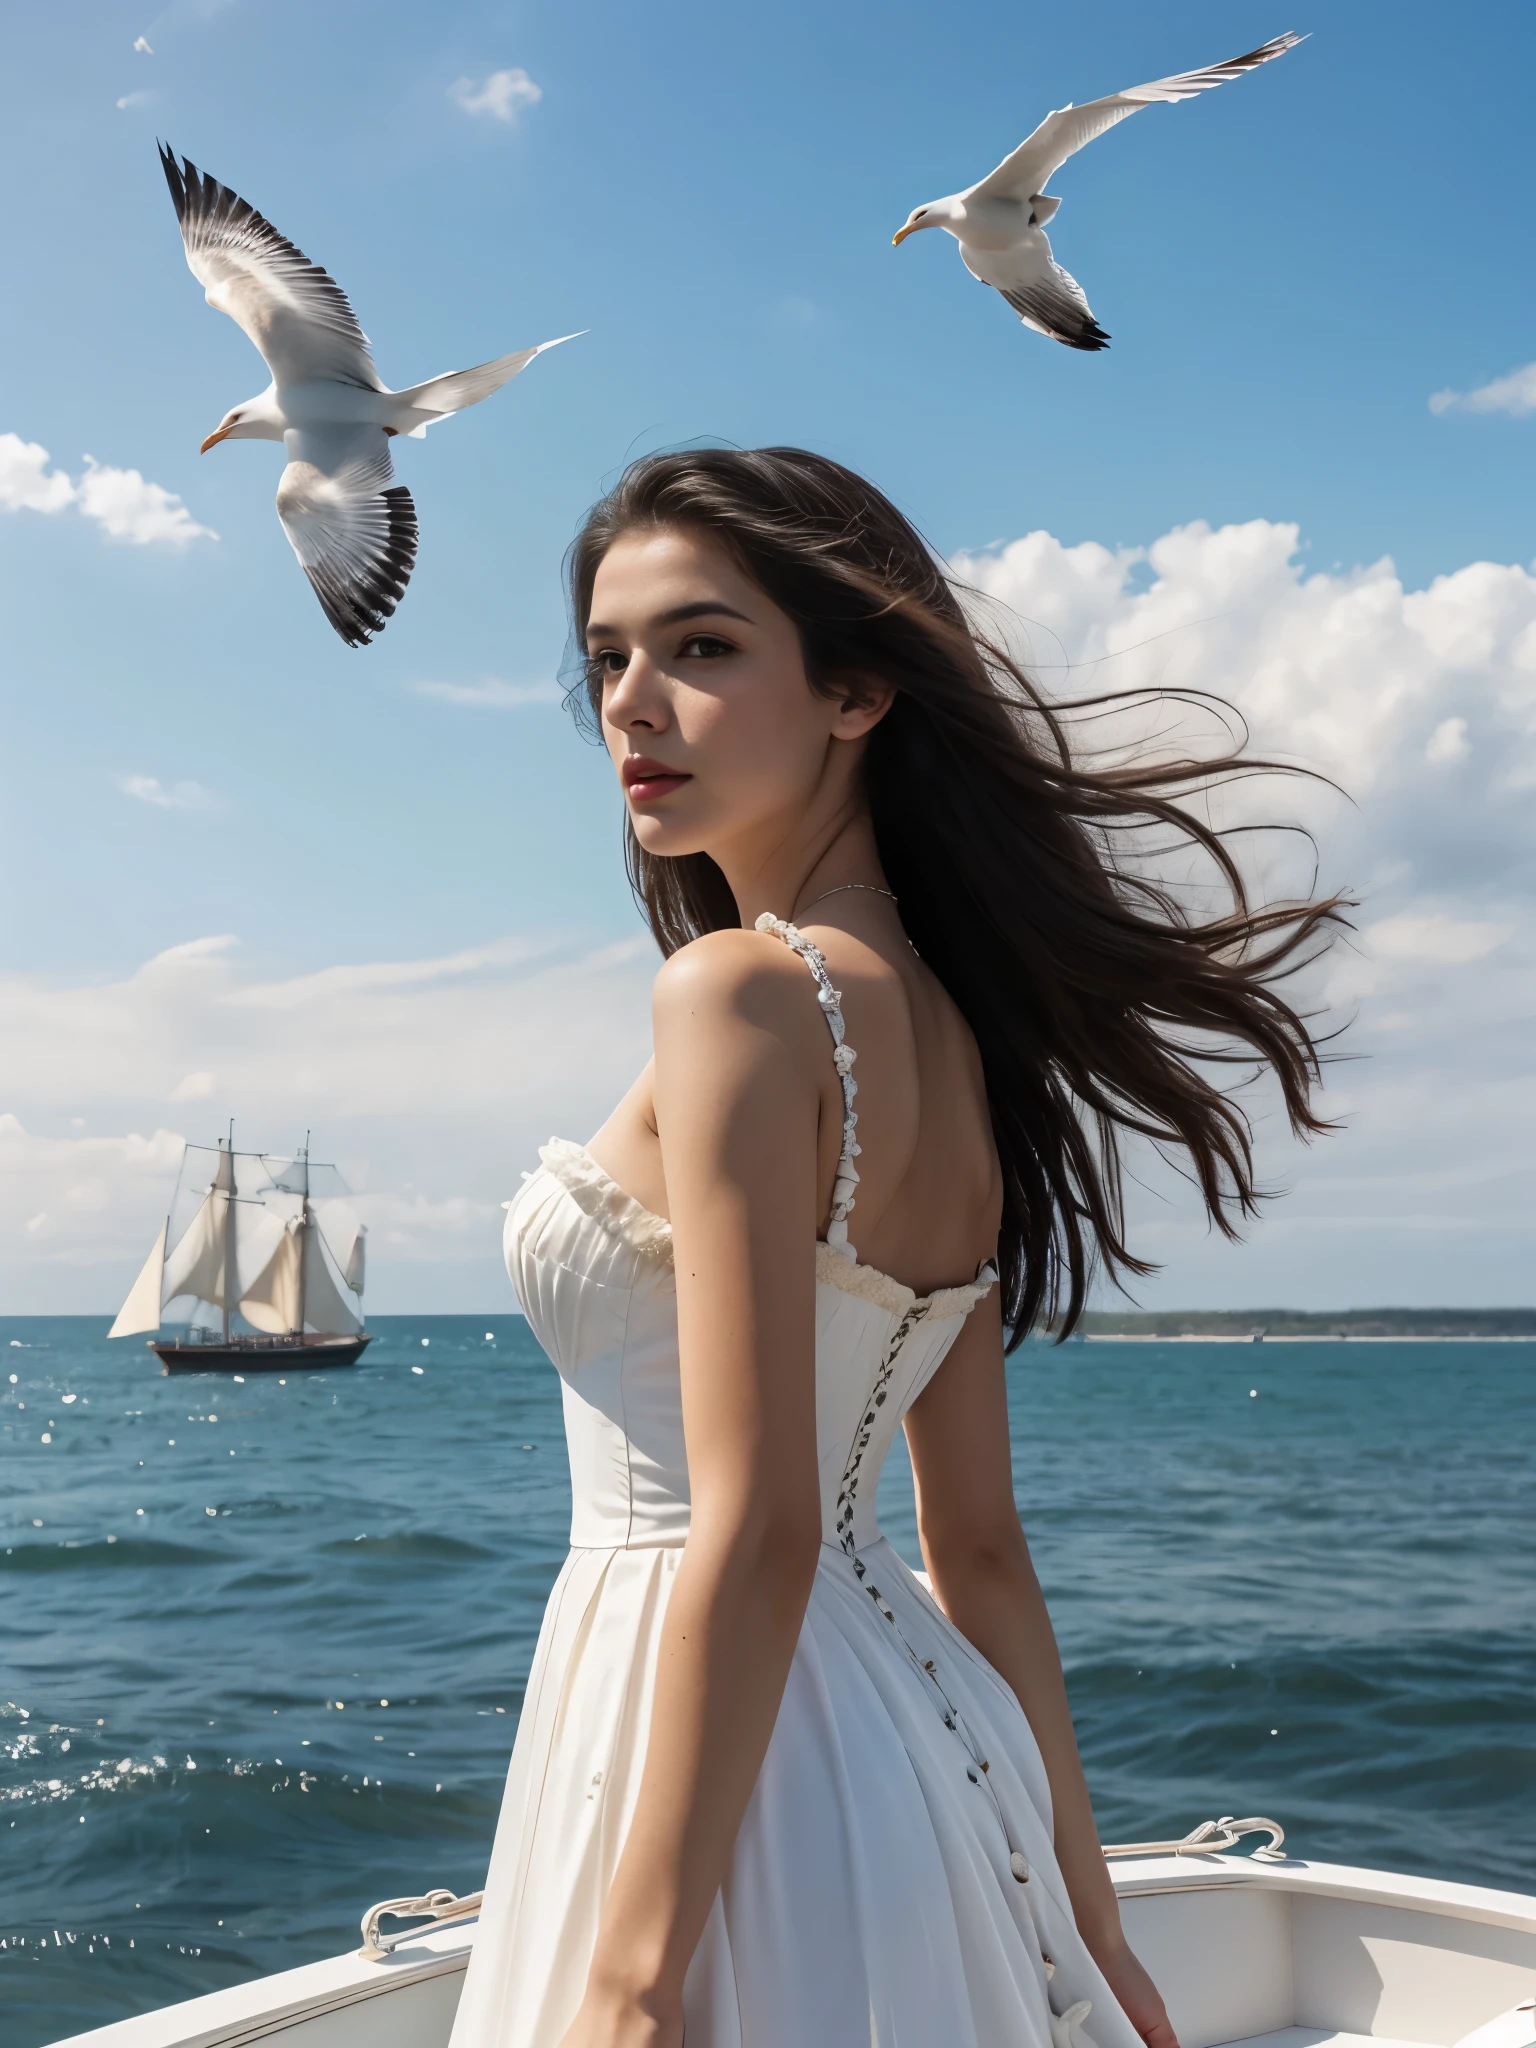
point(1290, 267)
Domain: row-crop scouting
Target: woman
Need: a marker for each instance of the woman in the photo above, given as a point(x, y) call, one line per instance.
point(767, 1789)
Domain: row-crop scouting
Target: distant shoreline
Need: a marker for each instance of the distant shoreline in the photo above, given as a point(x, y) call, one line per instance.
point(1302, 1326)
point(1265, 1337)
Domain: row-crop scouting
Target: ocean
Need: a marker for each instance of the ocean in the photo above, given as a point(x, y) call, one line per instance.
point(262, 1646)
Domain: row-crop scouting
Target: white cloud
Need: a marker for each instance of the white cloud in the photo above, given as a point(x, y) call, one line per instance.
point(329, 982)
point(167, 796)
point(174, 958)
point(64, 1201)
point(502, 96)
point(1428, 1194)
point(492, 695)
point(121, 501)
point(432, 1082)
point(1434, 939)
point(1448, 742)
point(27, 484)
point(411, 1227)
point(1346, 671)
point(141, 44)
point(1515, 394)
point(130, 508)
point(134, 99)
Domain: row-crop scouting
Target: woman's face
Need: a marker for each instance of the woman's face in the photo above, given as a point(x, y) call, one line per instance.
point(716, 733)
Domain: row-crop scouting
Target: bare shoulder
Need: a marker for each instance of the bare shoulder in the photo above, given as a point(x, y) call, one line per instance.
point(745, 976)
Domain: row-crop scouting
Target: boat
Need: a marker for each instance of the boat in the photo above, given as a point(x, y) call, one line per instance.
point(1263, 1948)
point(253, 1249)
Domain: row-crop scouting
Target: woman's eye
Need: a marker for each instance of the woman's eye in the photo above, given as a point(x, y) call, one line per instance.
point(606, 663)
point(706, 646)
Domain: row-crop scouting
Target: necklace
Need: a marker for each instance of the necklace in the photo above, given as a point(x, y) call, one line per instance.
point(872, 888)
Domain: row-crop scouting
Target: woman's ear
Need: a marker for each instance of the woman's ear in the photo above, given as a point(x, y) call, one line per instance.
point(861, 701)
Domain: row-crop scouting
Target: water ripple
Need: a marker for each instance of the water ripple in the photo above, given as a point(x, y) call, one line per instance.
point(265, 1643)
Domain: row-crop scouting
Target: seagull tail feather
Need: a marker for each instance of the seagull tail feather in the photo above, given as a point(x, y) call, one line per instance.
point(414, 410)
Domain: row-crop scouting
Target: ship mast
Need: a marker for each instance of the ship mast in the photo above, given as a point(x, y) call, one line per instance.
point(231, 1280)
point(304, 1229)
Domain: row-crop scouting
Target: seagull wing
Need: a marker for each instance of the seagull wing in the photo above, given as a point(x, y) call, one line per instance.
point(354, 534)
point(299, 318)
point(424, 404)
point(1044, 296)
point(1062, 134)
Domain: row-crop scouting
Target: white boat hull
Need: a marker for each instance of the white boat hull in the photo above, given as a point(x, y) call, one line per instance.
point(1289, 1954)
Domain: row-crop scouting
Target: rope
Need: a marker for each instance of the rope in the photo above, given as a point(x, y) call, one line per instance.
point(1209, 1839)
point(440, 1907)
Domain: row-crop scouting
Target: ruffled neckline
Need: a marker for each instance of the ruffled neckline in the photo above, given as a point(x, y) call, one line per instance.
point(599, 1196)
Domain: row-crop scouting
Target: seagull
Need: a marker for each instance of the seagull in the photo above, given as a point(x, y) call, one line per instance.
point(1000, 223)
point(353, 529)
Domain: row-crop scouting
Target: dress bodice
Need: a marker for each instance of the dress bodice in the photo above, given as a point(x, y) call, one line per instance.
point(593, 1271)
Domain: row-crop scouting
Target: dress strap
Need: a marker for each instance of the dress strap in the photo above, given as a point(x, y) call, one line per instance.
point(843, 1057)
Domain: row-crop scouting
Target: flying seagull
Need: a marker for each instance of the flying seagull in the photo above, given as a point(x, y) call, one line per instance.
point(352, 528)
point(1000, 223)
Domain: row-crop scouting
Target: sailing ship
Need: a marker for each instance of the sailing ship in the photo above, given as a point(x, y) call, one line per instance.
point(254, 1250)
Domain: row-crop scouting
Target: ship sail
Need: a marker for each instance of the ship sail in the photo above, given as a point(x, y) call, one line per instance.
point(141, 1311)
point(203, 1262)
point(271, 1302)
point(357, 1260)
point(298, 1271)
point(325, 1308)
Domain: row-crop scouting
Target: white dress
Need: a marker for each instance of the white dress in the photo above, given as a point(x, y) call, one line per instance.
point(893, 1883)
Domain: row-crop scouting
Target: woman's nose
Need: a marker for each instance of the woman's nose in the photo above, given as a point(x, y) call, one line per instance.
point(638, 697)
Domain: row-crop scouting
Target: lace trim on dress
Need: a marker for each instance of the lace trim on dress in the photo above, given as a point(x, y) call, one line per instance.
point(870, 1284)
point(843, 1057)
point(623, 1217)
point(605, 1201)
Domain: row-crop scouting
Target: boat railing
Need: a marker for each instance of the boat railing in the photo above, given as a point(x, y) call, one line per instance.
point(445, 1909)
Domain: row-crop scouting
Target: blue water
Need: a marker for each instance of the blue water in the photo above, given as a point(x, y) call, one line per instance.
point(263, 1645)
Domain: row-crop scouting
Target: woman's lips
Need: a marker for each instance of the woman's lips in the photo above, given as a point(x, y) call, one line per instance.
point(645, 780)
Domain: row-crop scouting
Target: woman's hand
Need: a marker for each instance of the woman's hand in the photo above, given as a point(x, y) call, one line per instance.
point(1140, 1999)
point(614, 2020)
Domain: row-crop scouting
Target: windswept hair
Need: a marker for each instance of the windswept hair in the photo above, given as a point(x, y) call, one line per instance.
point(1098, 998)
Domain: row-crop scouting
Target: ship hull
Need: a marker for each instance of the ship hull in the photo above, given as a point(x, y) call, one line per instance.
point(243, 1355)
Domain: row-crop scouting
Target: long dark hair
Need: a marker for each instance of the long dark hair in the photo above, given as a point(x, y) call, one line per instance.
point(1095, 995)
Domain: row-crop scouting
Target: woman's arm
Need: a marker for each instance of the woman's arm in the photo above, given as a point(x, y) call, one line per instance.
point(737, 1106)
point(979, 1563)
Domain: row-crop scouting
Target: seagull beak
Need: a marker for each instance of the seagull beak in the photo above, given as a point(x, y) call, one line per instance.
point(901, 235)
point(213, 440)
